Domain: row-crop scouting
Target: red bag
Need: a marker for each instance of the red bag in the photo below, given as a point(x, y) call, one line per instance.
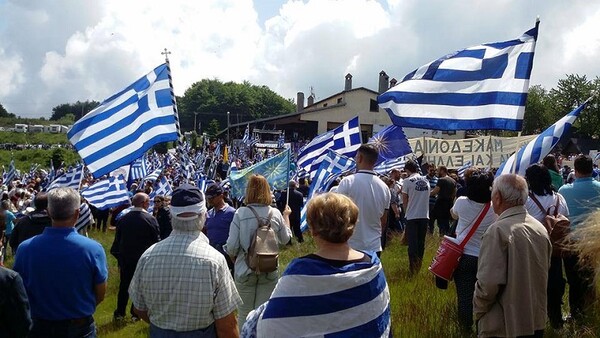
point(448, 254)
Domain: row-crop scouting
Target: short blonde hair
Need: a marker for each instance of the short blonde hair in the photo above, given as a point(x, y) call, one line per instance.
point(332, 217)
point(258, 191)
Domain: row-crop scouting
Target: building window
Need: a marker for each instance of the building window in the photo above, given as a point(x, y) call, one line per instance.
point(324, 105)
point(339, 100)
point(373, 106)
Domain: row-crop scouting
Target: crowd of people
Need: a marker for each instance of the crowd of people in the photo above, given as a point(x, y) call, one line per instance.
point(185, 264)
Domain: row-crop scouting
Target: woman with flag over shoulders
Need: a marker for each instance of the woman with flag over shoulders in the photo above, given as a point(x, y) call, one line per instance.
point(352, 293)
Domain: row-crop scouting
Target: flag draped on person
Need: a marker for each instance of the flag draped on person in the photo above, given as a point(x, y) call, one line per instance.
point(275, 169)
point(70, 179)
point(127, 124)
point(539, 147)
point(345, 140)
point(107, 193)
point(391, 143)
point(332, 166)
point(480, 87)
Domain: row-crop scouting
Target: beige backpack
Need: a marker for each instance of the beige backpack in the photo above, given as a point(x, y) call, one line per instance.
point(263, 253)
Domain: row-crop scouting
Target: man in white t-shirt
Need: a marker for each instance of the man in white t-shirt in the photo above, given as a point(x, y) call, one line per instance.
point(371, 196)
point(415, 197)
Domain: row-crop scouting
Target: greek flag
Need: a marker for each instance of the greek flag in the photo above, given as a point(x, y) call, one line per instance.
point(332, 166)
point(85, 216)
point(139, 168)
point(344, 139)
point(127, 124)
point(315, 299)
point(108, 193)
point(10, 175)
point(153, 175)
point(480, 87)
point(597, 157)
point(461, 171)
point(281, 140)
point(70, 179)
point(539, 147)
point(384, 167)
point(246, 138)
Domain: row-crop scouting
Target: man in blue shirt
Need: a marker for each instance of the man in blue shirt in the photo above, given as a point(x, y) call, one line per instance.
point(218, 220)
point(64, 273)
point(582, 197)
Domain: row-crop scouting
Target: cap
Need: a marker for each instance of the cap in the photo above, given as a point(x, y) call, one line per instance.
point(187, 199)
point(213, 190)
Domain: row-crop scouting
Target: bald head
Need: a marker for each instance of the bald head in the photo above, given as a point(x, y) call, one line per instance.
point(139, 200)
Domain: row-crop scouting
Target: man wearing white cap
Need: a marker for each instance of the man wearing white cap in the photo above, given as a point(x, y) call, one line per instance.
point(182, 286)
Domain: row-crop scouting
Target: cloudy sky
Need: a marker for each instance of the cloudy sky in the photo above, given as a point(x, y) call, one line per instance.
point(60, 51)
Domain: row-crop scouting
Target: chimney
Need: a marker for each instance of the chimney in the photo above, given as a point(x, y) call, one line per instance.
point(299, 101)
point(393, 82)
point(348, 85)
point(383, 82)
point(311, 100)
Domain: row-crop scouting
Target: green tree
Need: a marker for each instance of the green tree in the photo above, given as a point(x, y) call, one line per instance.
point(5, 113)
point(212, 99)
point(570, 93)
point(538, 115)
point(77, 109)
point(213, 128)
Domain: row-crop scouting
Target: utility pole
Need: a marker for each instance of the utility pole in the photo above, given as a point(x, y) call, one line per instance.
point(227, 128)
point(195, 128)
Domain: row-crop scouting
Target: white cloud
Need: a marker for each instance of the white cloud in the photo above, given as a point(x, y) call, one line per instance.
point(11, 75)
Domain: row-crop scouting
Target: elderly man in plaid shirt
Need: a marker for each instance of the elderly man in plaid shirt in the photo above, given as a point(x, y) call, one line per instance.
point(182, 286)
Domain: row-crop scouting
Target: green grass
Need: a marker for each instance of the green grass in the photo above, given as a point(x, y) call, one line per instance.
point(418, 308)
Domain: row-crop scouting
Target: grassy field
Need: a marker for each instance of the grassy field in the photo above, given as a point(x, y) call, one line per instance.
point(418, 308)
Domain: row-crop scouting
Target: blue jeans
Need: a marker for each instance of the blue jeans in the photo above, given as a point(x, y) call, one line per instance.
point(157, 332)
point(79, 328)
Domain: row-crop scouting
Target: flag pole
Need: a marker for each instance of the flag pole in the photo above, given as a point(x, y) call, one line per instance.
point(179, 147)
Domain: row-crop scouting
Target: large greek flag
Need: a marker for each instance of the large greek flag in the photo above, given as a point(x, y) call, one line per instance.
point(480, 87)
point(127, 124)
point(385, 167)
point(539, 147)
point(70, 179)
point(107, 193)
point(344, 139)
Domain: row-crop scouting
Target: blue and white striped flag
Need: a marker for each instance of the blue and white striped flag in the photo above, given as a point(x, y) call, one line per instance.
point(70, 179)
point(333, 166)
point(281, 140)
point(153, 175)
point(10, 174)
point(139, 168)
point(316, 299)
point(108, 193)
point(345, 140)
point(163, 188)
point(481, 87)
point(127, 124)
point(246, 138)
point(85, 216)
point(461, 171)
point(384, 167)
point(597, 157)
point(539, 147)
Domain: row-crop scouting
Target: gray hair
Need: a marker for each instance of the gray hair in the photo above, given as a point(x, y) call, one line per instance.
point(63, 203)
point(190, 224)
point(512, 188)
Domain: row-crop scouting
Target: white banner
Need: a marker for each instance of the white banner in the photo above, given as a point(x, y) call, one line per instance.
point(483, 151)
